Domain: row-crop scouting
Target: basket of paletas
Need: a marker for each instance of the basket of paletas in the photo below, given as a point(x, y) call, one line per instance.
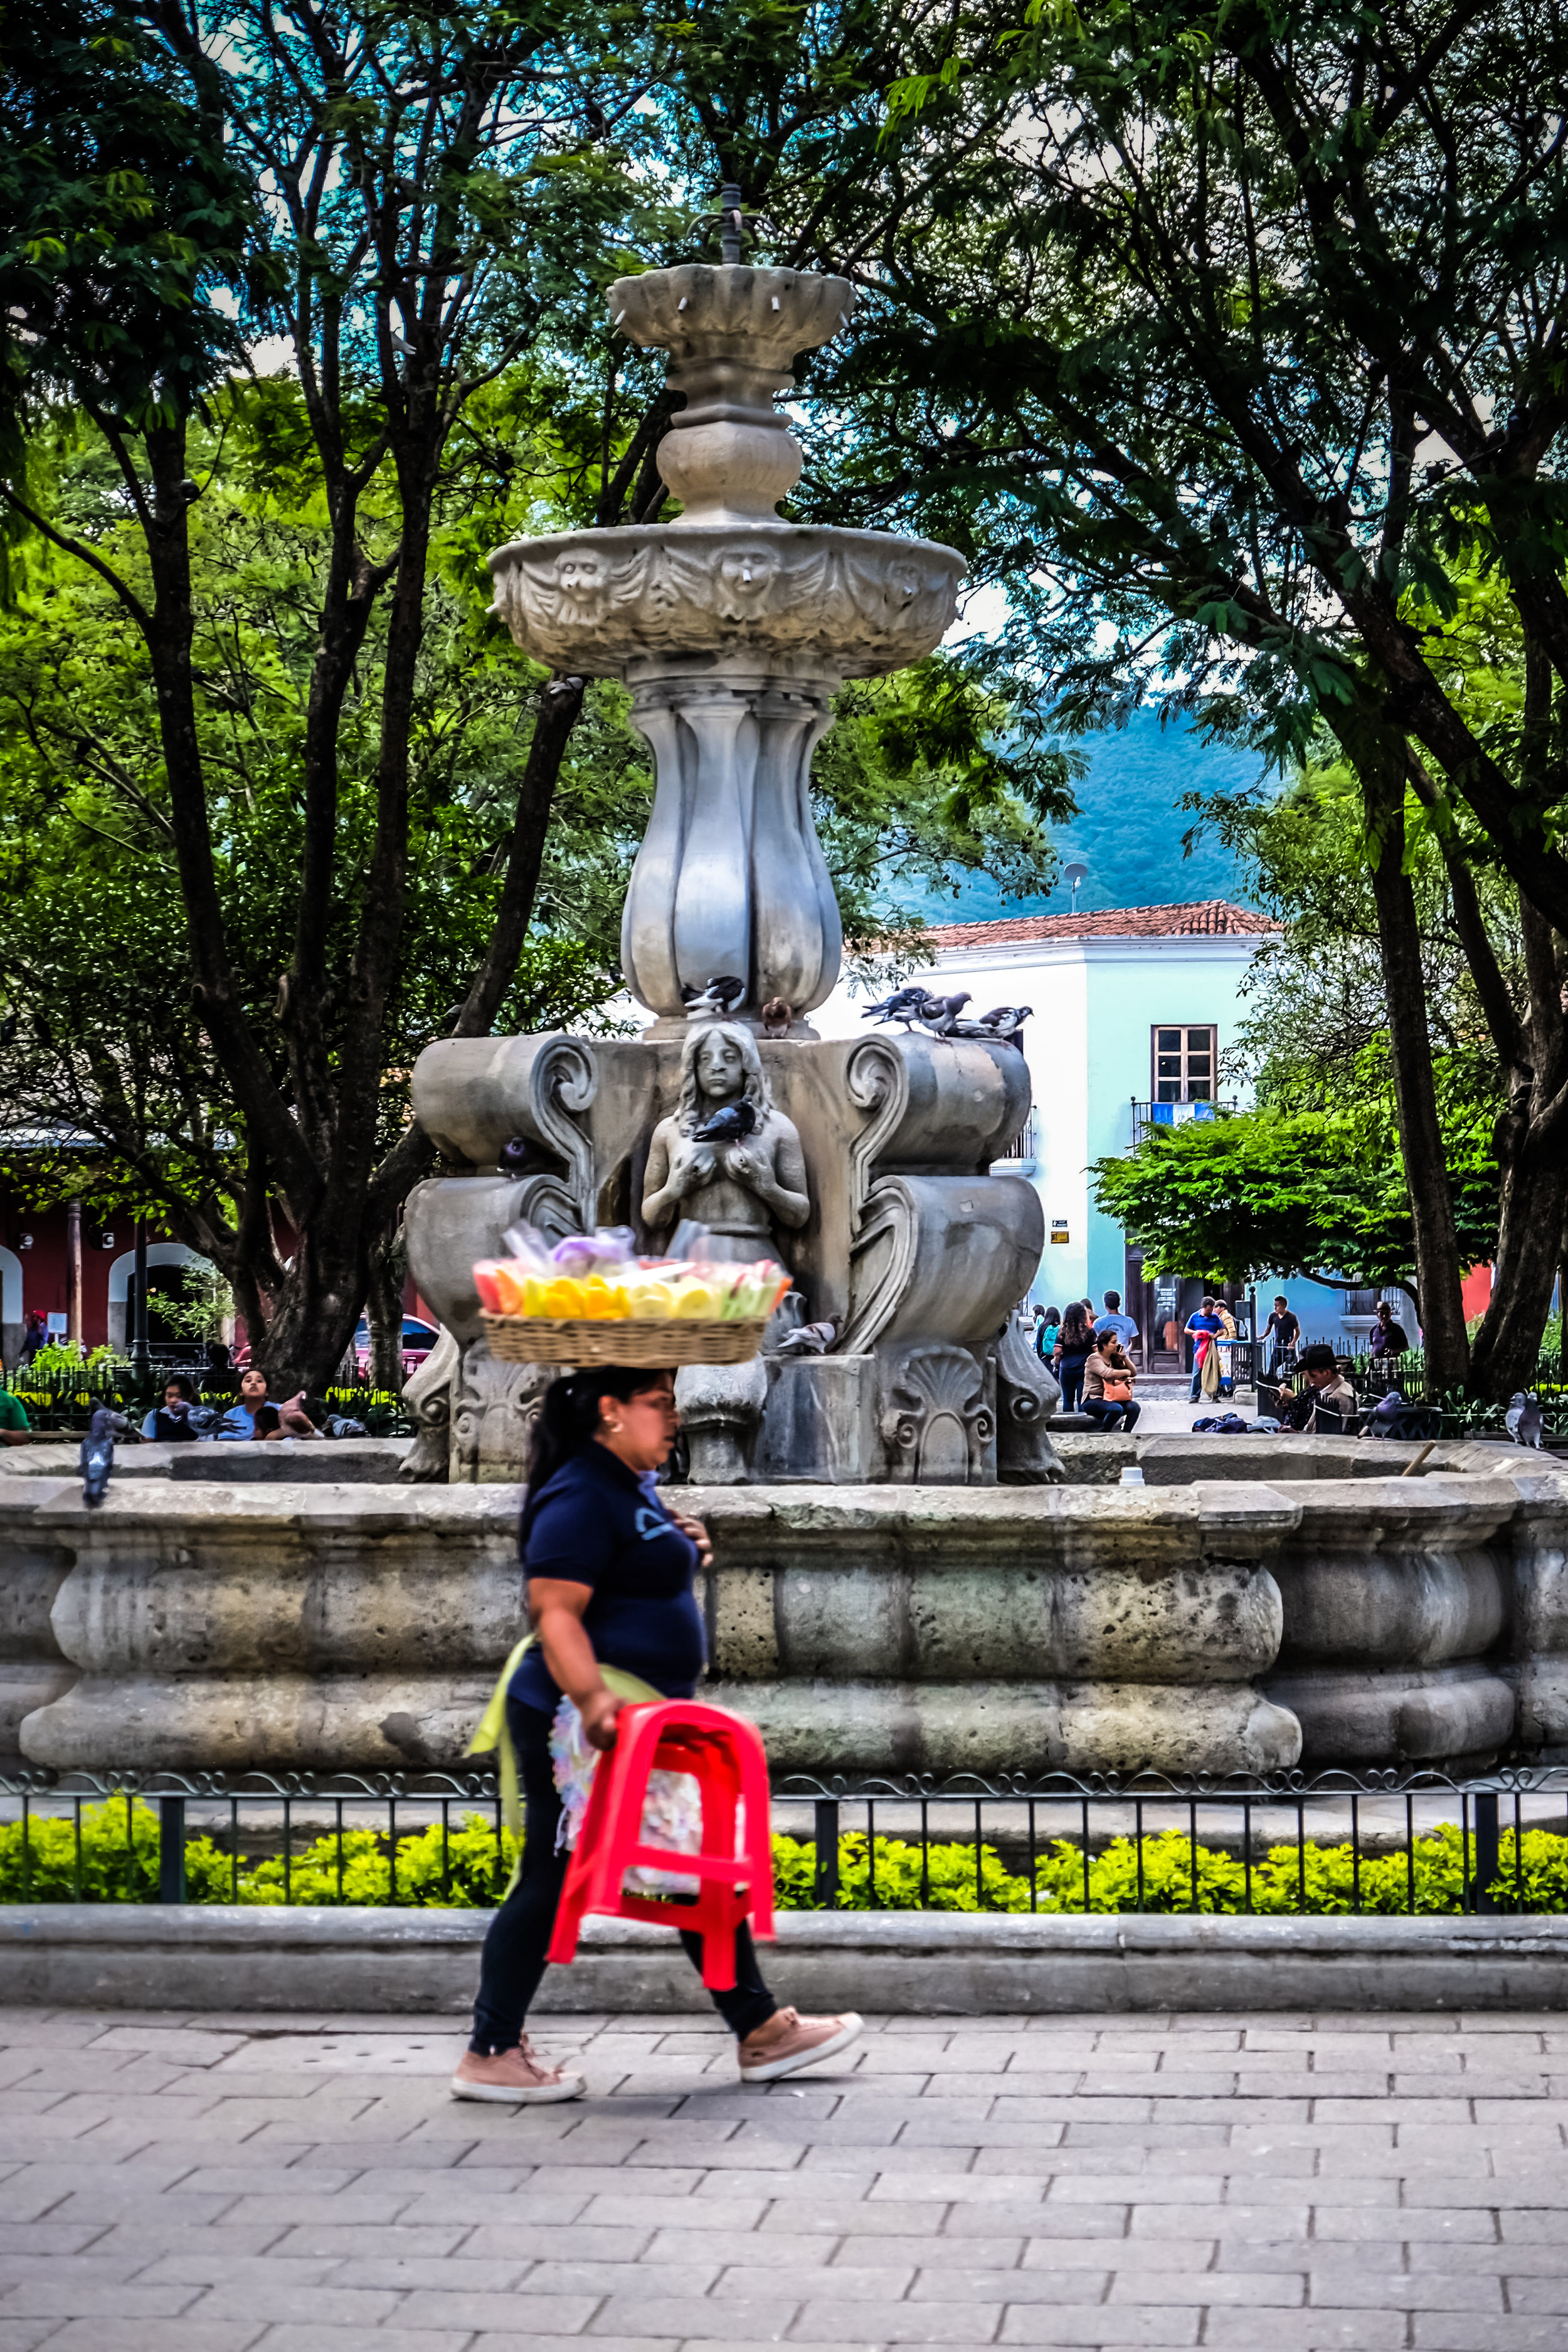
point(591, 1299)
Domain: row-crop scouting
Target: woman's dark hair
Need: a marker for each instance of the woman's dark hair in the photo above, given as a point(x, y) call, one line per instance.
point(268, 1419)
point(1077, 1330)
point(568, 1419)
point(1054, 1314)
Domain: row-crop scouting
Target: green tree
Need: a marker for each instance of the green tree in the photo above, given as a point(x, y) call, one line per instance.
point(1231, 339)
point(1321, 1194)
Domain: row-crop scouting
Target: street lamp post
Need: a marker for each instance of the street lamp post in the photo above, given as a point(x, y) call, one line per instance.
point(140, 1354)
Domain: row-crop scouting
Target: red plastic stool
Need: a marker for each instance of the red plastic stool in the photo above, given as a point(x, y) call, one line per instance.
point(726, 1758)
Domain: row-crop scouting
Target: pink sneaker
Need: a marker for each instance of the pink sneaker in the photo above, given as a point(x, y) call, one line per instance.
point(789, 2042)
point(516, 2078)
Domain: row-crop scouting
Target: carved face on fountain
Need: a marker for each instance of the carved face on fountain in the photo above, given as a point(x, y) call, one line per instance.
point(745, 576)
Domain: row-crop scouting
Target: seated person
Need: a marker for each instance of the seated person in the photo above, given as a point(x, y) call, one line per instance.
point(1109, 1366)
point(16, 1429)
point(169, 1423)
point(1323, 1398)
point(252, 1416)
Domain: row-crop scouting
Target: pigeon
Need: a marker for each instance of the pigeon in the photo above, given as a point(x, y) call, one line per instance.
point(776, 1017)
point(97, 1456)
point(904, 1004)
point(1522, 1419)
point(940, 1014)
point(1385, 1413)
point(729, 1124)
point(807, 1339)
point(721, 995)
point(1006, 1023)
point(523, 1156)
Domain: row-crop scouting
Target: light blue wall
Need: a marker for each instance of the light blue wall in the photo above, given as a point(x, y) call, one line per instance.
point(1131, 987)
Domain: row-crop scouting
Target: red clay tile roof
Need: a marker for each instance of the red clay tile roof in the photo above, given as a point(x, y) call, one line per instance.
point(1211, 917)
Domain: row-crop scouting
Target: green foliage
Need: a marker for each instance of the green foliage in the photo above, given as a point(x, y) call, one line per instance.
point(119, 1863)
point(208, 1305)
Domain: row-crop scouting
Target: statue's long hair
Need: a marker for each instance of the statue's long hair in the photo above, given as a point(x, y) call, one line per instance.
point(689, 1111)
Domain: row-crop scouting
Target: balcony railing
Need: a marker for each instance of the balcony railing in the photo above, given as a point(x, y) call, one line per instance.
point(1023, 1154)
point(1154, 1116)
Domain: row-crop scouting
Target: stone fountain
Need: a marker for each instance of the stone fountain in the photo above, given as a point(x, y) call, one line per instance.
point(866, 1165)
point(870, 1604)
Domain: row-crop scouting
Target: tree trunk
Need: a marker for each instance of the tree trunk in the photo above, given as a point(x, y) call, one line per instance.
point(1530, 1235)
point(1379, 759)
point(384, 1309)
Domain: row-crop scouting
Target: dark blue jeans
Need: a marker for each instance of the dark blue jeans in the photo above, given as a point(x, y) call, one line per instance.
point(1106, 1412)
point(519, 1938)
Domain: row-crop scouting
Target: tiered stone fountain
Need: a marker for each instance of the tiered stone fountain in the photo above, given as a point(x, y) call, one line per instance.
point(868, 1170)
point(869, 1605)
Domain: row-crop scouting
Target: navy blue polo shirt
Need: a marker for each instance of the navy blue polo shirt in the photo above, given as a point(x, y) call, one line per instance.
point(597, 1524)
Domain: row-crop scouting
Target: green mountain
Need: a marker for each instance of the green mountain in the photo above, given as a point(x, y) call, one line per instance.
point(1129, 831)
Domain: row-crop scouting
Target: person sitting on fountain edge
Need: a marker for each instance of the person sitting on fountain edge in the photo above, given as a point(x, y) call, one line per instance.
point(1108, 1377)
point(252, 1416)
point(169, 1423)
point(609, 1569)
point(1324, 1400)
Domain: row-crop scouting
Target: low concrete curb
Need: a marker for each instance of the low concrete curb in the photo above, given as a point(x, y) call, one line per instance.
point(902, 1963)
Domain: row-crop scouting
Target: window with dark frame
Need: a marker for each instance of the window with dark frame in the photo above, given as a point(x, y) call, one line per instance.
point(1183, 1065)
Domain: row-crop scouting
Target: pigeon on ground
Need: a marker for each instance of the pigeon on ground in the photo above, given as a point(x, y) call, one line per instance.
point(1522, 1419)
point(807, 1339)
point(776, 1017)
point(941, 1014)
point(97, 1456)
point(904, 1004)
point(729, 1124)
point(721, 995)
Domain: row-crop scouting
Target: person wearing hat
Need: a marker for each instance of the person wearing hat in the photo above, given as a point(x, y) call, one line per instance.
point(1323, 1397)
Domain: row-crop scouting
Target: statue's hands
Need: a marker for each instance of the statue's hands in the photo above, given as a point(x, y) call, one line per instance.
point(741, 1167)
point(691, 1166)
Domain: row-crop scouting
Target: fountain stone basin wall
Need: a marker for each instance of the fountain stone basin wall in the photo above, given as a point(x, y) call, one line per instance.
point(1203, 1627)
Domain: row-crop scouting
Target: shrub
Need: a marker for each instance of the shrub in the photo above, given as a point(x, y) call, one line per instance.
point(117, 1862)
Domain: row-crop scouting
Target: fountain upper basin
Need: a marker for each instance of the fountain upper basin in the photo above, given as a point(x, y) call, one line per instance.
point(852, 604)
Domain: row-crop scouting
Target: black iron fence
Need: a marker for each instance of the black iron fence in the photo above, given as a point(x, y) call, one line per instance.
point(1337, 1841)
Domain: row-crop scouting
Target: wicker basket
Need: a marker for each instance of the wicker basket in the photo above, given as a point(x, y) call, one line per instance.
point(675, 1339)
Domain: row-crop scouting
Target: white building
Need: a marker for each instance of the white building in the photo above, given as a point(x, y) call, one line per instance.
point(1133, 1012)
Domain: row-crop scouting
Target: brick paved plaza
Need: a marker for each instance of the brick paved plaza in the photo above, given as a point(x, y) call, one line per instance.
point(306, 2185)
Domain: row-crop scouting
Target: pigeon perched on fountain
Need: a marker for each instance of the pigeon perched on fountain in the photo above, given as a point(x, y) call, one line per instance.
point(1385, 1413)
point(1522, 1419)
point(1003, 1022)
point(807, 1339)
point(523, 1156)
point(905, 1004)
point(777, 1015)
point(719, 996)
point(97, 1455)
point(941, 1014)
point(729, 1124)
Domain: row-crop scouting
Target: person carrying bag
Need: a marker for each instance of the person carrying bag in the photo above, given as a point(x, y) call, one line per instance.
point(612, 1619)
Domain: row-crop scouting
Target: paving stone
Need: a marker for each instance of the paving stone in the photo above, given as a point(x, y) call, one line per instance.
point(349, 2339)
point(895, 2323)
point(1308, 2331)
point(65, 2295)
point(197, 2336)
point(760, 2321)
point(1464, 2331)
point(1098, 2323)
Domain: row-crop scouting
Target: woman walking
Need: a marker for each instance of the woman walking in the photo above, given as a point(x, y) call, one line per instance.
point(609, 1571)
point(1075, 1345)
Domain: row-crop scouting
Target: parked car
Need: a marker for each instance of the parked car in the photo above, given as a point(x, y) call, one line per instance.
point(418, 1338)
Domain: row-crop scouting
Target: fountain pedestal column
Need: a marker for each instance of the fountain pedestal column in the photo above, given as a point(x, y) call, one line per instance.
point(732, 629)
